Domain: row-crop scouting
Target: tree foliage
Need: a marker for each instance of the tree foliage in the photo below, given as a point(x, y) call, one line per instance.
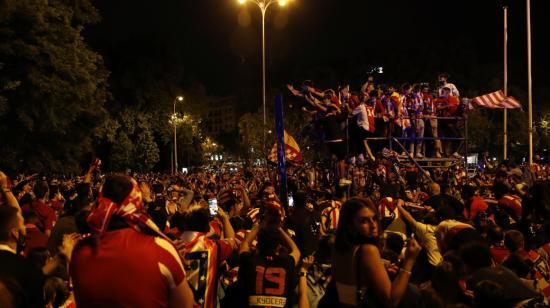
point(130, 138)
point(250, 129)
point(251, 137)
point(52, 86)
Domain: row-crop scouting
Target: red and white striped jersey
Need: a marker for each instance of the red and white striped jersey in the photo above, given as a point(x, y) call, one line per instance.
point(203, 256)
point(365, 117)
point(402, 117)
point(512, 205)
point(429, 104)
point(388, 208)
point(330, 215)
point(125, 268)
point(253, 214)
point(537, 170)
point(451, 86)
point(416, 105)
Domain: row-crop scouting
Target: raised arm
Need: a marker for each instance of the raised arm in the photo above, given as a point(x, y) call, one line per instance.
point(404, 213)
point(303, 301)
point(228, 231)
point(89, 174)
point(188, 197)
point(8, 194)
point(323, 230)
point(246, 199)
point(314, 91)
point(315, 102)
point(294, 251)
point(377, 276)
point(294, 91)
point(245, 245)
point(364, 86)
point(310, 112)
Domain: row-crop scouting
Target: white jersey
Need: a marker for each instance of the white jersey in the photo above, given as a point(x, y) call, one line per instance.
point(454, 90)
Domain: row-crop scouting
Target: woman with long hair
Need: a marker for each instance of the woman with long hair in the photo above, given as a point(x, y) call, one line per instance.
point(359, 271)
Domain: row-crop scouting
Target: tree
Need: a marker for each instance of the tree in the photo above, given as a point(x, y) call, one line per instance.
point(53, 87)
point(250, 129)
point(147, 82)
point(129, 137)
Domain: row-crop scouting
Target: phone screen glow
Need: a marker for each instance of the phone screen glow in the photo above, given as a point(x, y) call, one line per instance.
point(213, 206)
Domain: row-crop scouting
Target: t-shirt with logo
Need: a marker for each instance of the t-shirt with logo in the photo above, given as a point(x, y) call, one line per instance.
point(267, 281)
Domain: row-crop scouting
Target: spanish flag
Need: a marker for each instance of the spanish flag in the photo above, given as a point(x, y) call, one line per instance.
point(292, 151)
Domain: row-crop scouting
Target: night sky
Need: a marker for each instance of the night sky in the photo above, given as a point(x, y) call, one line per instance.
point(217, 42)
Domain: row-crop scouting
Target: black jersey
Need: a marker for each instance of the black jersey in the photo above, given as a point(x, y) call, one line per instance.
point(267, 281)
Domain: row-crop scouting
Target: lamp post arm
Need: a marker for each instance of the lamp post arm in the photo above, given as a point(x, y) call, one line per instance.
point(263, 5)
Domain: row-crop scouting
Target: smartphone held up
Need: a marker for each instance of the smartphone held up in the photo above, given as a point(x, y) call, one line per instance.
point(213, 206)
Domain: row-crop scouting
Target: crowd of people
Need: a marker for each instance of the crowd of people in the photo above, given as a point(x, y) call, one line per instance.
point(393, 237)
point(359, 124)
point(378, 234)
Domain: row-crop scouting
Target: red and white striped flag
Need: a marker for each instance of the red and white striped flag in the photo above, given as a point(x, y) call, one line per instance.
point(511, 103)
point(496, 100)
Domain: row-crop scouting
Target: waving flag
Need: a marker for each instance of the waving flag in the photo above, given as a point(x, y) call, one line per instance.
point(292, 150)
point(496, 100)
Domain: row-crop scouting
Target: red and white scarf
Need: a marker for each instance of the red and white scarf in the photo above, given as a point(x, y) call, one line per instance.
point(130, 210)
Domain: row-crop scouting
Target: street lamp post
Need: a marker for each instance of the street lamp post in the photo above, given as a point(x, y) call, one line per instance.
point(175, 123)
point(529, 82)
point(263, 5)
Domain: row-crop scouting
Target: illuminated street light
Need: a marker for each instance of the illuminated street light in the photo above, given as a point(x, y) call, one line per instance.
point(264, 5)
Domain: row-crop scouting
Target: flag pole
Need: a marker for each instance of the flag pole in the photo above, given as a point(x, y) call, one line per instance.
point(505, 134)
point(281, 159)
point(529, 82)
